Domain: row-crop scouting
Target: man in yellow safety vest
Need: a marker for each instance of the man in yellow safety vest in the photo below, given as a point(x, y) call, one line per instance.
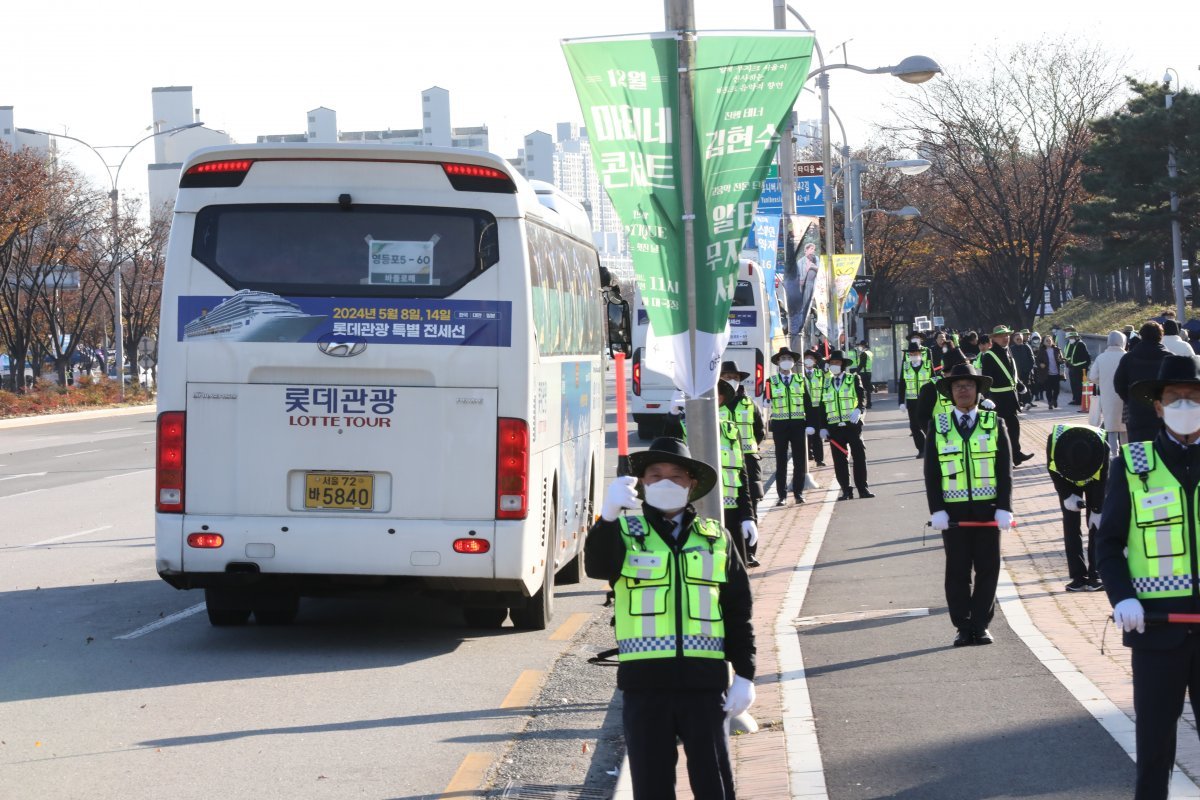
point(1149, 532)
point(682, 617)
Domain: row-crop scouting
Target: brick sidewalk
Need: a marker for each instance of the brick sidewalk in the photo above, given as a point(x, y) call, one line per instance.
point(1075, 622)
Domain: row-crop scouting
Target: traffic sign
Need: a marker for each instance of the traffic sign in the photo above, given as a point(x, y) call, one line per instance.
point(146, 361)
point(146, 346)
point(810, 168)
point(810, 196)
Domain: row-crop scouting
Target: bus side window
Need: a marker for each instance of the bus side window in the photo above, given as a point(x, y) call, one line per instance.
point(537, 288)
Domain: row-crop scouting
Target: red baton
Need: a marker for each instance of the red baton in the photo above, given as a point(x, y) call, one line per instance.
point(622, 416)
point(1161, 618)
point(979, 524)
point(845, 452)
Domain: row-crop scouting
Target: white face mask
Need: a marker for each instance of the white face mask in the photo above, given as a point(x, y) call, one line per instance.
point(666, 495)
point(1182, 417)
point(835, 369)
point(915, 361)
point(808, 362)
point(787, 363)
point(732, 383)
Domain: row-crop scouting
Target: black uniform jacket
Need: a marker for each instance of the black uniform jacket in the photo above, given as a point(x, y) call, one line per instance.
point(813, 409)
point(1184, 464)
point(860, 401)
point(971, 510)
point(604, 555)
point(990, 367)
point(1092, 492)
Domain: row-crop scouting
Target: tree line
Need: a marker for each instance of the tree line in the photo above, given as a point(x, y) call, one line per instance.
point(60, 249)
point(1048, 180)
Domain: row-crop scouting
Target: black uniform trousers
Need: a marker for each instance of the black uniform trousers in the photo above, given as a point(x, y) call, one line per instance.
point(1077, 567)
point(914, 424)
point(1076, 376)
point(867, 386)
point(1006, 409)
point(849, 436)
point(816, 449)
point(732, 517)
point(971, 603)
point(789, 435)
point(1160, 678)
point(653, 719)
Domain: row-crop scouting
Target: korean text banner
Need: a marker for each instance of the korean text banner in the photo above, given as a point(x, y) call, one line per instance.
point(845, 268)
point(744, 85)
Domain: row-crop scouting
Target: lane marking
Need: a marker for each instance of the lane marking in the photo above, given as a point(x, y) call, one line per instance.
point(861, 616)
point(114, 430)
point(164, 622)
point(63, 538)
point(23, 475)
point(469, 776)
point(1119, 726)
point(523, 690)
point(21, 494)
point(80, 453)
point(570, 627)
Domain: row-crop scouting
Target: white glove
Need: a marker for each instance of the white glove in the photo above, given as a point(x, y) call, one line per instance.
point(987, 405)
point(1003, 519)
point(678, 404)
point(1128, 614)
point(939, 521)
point(854, 416)
point(739, 696)
point(809, 431)
point(1094, 520)
point(824, 434)
point(1073, 503)
point(750, 532)
point(622, 493)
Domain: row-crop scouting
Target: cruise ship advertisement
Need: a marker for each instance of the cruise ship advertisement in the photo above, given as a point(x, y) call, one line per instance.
point(253, 316)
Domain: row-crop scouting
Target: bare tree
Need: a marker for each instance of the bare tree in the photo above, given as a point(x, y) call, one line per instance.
point(141, 280)
point(1007, 149)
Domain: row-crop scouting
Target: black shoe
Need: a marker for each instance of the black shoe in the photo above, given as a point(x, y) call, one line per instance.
point(847, 494)
point(751, 561)
point(781, 502)
point(919, 454)
point(1021, 458)
point(1095, 585)
point(1077, 585)
point(982, 637)
point(799, 499)
point(820, 463)
point(865, 493)
point(962, 638)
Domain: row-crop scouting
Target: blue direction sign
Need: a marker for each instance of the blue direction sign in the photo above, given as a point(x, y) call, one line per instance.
point(810, 195)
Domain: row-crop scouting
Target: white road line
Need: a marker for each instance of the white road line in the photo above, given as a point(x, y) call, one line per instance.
point(64, 538)
point(80, 453)
point(860, 616)
point(20, 494)
point(23, 475)
point(1094, 701)
point(114, 430)
point(164, 622)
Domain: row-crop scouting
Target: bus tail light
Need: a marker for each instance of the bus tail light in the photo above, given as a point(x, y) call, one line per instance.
point(219, 174)
point(472, 546)
point(474, 178)
point(512, 468)
point(168, 481)
point(205, 541)
point(760, 370)
point(637, 372)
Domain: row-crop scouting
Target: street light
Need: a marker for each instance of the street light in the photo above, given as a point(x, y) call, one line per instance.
point(114, 196)
point(908, 212)
point(913, 69)
point(1172, 173)
point(910, 166)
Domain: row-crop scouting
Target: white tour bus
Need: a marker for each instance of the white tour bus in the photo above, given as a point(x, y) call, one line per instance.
point(750, 329)
point(379, 368)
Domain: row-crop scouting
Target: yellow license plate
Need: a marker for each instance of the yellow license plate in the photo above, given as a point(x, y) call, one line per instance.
point(339, 490)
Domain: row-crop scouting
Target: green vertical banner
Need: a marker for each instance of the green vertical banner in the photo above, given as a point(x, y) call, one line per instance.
point(744, 85)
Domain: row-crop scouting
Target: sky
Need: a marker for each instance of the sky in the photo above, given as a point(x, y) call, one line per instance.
point(87, 68)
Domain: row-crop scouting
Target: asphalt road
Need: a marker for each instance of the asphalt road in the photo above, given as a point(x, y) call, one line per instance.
point(359, 698)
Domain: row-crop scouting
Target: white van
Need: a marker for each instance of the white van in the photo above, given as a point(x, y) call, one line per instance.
point(652, 383)
point(750, 329)
point(380, 367)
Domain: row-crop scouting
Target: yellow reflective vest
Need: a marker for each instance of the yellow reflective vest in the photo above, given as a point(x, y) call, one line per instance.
point(743, 415)
point(669, 605)
point(968, 466)
point(731, 456)
point(1159, 536)
point(787, 397)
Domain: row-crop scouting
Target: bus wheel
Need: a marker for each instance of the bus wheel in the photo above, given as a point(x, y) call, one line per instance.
point(487, 618)
point(223, 610)
point(536, 614)
point(279, 610)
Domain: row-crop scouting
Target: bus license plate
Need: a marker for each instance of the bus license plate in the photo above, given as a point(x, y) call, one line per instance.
point(339, 491)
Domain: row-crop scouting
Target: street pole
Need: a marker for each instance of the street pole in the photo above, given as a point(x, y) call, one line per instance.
point(701, 411)
point(114, 196)
point(787, 175)
point(1176, 237)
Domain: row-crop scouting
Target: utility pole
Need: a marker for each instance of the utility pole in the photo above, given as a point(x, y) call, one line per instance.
point(701, 411)
point(1176, 238)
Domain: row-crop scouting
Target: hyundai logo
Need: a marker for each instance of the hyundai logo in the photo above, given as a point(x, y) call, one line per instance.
point(340, 348)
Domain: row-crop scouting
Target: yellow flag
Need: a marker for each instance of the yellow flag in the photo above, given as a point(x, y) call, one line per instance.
point(845, 267)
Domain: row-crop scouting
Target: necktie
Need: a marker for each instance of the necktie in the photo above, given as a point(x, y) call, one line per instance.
point(787, 380)
point(964, 425)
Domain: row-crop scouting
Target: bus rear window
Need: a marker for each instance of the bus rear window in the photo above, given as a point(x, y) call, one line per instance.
point(353, 251)
point(743, 295)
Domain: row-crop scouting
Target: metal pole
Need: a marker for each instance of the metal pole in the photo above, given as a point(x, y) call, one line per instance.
point(1176, 239)
point(823, 83)
point(849, 188)
point(118, 328)
point(701, 411)
point(856, 213)
point(787, 175)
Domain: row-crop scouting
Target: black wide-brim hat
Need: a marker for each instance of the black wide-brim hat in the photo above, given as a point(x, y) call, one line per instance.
point(1172, 371)
point(784, 351)
point(729, 366)
point(958, 372)
point(914, 348)
point(674, 451)
point(836, 355)
point(1079, 453)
